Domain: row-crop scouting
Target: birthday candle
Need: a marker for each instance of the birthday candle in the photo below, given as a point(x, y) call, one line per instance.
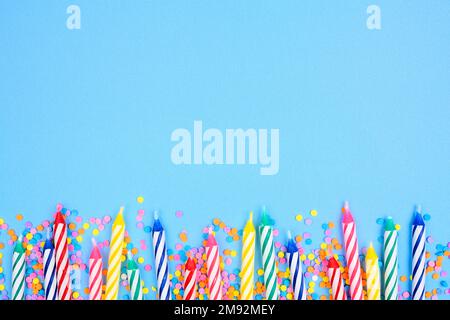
point(390, 260)
point(352, 254)
point(295, 269)
point(115, 256)
point(213, 268)
point(161, 260)
point(51, 292)
point(95, 273)
point(373, 274)
point(268, 256)
point(248, 260)
point(190, 280)
point(134, 278)
point(335, 278)
point(418, 256)
point(62, 257)
point(18, 271)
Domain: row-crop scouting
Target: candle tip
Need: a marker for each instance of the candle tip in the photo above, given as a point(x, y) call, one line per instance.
point(419, 208)
point(20, 238)
point(346, 205)
point(289, 235)
point(155, 215)
point(129, 255)
point(48, 233)
point(251, 216)
point(94, 242)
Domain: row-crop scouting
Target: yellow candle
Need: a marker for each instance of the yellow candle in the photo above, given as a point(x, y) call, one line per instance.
point(373, 274)
point(248, 260)
point(115, 257)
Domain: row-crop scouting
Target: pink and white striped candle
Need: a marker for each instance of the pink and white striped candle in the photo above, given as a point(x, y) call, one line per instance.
point(190, 280)
point(352, 254)
point(95, 273)
point(213, 266)
point(62, 257)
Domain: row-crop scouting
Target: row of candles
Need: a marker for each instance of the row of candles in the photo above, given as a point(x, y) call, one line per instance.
point(57, 279)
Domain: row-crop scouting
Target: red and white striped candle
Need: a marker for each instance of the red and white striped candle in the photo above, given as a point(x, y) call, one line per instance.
point(190, 280)
point(62, 257)
point(95, 273)
point(352, 254)
point(213, 266)
point(335, 278)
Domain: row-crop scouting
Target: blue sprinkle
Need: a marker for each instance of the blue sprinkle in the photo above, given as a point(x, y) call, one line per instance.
point(380, 221)
point(308, 241)
point(444, 284)
point(426, 217)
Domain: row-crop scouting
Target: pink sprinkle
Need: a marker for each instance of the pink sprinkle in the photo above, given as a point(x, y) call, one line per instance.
point(276, 232)
point(228, 261)
point(431, 263)
point(141, 212)
point(59, 207)
point(176, 257)
point(178, 246)
point(78, 219)
point(106, 219)
point(179, 214)
point(140, 225)
point(308, 221)
point(139, 218)
point(101, 227)
point(148, 267)
point(277, 244)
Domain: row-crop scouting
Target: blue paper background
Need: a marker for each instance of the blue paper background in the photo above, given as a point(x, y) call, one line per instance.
point(86, 115)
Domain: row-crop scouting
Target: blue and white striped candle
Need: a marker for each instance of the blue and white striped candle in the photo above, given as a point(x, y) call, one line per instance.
point(51, 292)
point(418, 256)
point(295, 269)
point(161, 259)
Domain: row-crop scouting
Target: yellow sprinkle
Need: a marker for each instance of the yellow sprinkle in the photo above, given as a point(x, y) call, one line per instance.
point(2, 221)
point(283, 287)
point(311, 290)
point(177, 273)
point(140, 199)
point(76, 294)
point(313, 213)
point(145, 290)
point(2, 287)
point(79, 238)
point(140, 260)
point(323, 245)
point(303, 257)
point(29, 247)
point(310, 256)
point(35, 280)
point(299, 217)
point(176, 291)
point(95, 232)
point(153, 288)
point(260, 272)
point(397, 227)
point(233, 253)
point(86, 226)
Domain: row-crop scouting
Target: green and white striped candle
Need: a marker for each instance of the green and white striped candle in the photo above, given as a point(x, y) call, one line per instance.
point(268, 256)
point(390, 260)
point(134, 279)
point(18, 273)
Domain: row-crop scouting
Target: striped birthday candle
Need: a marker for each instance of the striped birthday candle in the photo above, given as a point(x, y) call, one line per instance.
point(268, 256)
point(418, 256)
point(115, 257)
point(213, 267)
point(134, 279)
point(161, 260)
point(51, 291)
point(190, 280)
point(373, 274)
point(18, 271)
point(335, 279)
point(390, 260)
point(248, 260)
point(295, 269)
point(95, 273)
point(352, 254)
point(62, 257)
